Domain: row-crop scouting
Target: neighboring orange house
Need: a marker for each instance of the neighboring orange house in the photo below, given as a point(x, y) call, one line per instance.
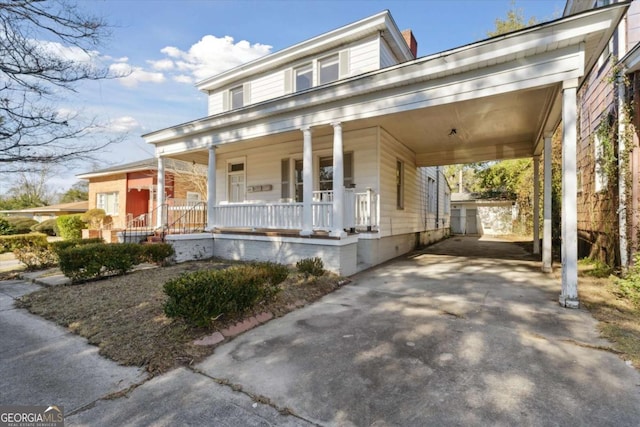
point(128, 192)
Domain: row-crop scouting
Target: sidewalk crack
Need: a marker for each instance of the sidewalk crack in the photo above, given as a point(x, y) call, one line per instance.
point(255, 397)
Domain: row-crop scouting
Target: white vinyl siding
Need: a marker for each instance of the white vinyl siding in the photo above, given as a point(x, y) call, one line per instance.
point(216, 103)
point(357, 58)
point(364, 57)
point(267, 87)
point(387, 57)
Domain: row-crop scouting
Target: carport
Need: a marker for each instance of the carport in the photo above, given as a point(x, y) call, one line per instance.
point(496, 99)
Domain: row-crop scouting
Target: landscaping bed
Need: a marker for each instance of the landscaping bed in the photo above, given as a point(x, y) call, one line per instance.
point(124, 315)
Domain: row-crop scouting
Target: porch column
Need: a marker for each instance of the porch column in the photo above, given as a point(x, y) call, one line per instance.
point(338, 182)
point(569, 295)
point(536, 205)
point(546, 233)
point(211, 188)
point(307, 183)
point(160, 194)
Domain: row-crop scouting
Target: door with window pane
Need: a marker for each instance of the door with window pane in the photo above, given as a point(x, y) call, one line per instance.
point(236, 182)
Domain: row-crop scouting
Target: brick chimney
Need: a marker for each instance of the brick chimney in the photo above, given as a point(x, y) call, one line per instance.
point(411, 42)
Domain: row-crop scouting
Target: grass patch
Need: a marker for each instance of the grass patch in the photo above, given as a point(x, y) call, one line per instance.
point(124, 315)
point(618, 315)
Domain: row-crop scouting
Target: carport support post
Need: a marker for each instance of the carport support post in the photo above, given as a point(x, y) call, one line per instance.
point(211, 188)
point(338, 182)
point(569, 296)
point(160, 194)
point(536, 205)
point(307, 183)
point(546, 232)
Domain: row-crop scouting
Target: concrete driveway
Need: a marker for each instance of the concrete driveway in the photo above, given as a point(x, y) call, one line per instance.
point(435, 338)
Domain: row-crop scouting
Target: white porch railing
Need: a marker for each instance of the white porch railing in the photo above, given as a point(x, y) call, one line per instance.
point(360, 212)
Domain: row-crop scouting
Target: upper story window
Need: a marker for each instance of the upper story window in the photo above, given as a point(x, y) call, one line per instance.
point(236, 96)
point(303, 77)
point(328, 69)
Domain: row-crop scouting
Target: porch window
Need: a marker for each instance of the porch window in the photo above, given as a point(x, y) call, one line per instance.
point(432, 195)
point(303, 77)
point(108, 202)
point(236, 96)
point(325, 175)
point(236, 182)
point(285, 186)
point(328, 69)
point(399, 184)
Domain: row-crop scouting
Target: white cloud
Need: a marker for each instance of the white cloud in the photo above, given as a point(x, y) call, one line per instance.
point(69, 53)
point(123, 124)
point(211, 55)
point(132, 76)
point(162, 64)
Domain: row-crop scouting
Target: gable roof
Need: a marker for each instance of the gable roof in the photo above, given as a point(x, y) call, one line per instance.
point(142, 165)
point(379, 23)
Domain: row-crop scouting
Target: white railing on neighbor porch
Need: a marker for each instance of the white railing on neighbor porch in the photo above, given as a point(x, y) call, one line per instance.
point(360, 211)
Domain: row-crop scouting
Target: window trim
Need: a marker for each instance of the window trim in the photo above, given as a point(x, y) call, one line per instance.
point(599, 174)
point(105, 194)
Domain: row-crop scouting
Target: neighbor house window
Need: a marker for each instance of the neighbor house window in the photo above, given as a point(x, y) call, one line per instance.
point(303, 77)
point(399, 184)
point(236, 96)
point(108, 202)
point(600, 172)
point(328, 69)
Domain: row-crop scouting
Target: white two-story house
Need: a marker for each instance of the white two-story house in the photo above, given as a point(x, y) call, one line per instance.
point(332, 147)
point(275, 195)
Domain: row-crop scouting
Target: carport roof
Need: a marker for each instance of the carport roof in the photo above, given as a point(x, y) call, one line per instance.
point(501, 96)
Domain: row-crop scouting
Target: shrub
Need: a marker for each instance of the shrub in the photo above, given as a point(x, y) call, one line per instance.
point(66, 244)
point(94, 218)
point(203, 296)
point(310, 267)
point(48, 227)
point(5, 227)
point(629, 285)
point(157, 253)
point(17, 241)
point(70, 226)
point(94, 260)
point(21, 224)
point(36, 256)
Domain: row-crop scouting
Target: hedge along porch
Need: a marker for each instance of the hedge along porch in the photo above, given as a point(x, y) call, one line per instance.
point(496, 99)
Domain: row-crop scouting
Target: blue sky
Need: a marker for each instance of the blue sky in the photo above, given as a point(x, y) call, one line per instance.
point(168, 45)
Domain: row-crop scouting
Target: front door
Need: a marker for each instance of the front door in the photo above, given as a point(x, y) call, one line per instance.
point(236, 183)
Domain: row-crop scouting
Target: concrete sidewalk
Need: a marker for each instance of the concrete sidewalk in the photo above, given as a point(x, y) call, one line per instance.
point(44, 364)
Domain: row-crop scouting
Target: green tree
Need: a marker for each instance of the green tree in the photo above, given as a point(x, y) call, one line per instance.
point(515, 20)
point(78, 192)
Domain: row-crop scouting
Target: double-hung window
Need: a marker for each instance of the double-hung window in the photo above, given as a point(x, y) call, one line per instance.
point(328, 69)
point(303, 77)
point(108, 202)
point(236, 96)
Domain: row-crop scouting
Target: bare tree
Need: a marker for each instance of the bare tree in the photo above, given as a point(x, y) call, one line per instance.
point(46, 49)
